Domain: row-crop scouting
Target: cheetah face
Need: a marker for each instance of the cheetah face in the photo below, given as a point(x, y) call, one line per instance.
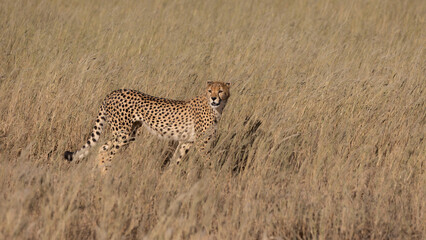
point(217, 93)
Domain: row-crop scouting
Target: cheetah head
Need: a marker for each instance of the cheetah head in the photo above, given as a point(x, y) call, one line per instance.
point(218, 94)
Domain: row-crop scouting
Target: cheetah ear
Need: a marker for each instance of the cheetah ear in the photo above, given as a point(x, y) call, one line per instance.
point(209, 83)
point(228, 84)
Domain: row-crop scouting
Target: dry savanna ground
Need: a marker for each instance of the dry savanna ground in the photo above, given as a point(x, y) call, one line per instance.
point(323, 137)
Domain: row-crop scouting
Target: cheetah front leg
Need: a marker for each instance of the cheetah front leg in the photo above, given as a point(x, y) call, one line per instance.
point(181, 151)
point(203, 140)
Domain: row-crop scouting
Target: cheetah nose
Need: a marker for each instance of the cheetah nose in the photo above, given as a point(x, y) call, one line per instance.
point(213, 98)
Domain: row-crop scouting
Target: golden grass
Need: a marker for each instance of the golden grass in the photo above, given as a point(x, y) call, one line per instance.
point(323, 137)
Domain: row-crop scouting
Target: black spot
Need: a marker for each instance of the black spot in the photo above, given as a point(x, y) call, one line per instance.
point(97, 133)
point(88, 142)
point(117, 147)
point(97, 120)
point(68, 155)
point(93, 135)
point(93, 140)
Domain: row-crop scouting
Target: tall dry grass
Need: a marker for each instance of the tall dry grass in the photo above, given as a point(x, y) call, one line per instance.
point(323, 137)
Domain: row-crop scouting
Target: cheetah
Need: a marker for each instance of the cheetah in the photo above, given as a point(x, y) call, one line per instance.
point(188, 122)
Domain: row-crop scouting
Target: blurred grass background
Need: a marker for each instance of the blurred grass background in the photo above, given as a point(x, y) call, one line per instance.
point(323, 137)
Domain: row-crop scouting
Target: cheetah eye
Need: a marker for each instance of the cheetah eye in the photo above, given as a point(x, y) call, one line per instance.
point(220, 91)
point(210, 91)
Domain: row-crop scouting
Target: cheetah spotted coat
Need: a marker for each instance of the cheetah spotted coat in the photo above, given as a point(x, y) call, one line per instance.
point(184, 121)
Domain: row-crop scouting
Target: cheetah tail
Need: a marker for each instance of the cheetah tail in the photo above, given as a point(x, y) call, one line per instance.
point(93, 139)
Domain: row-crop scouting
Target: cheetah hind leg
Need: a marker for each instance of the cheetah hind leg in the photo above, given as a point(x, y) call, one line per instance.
point(120, 141)
point(181, 151)
point(107, 151)
point(102, 157)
